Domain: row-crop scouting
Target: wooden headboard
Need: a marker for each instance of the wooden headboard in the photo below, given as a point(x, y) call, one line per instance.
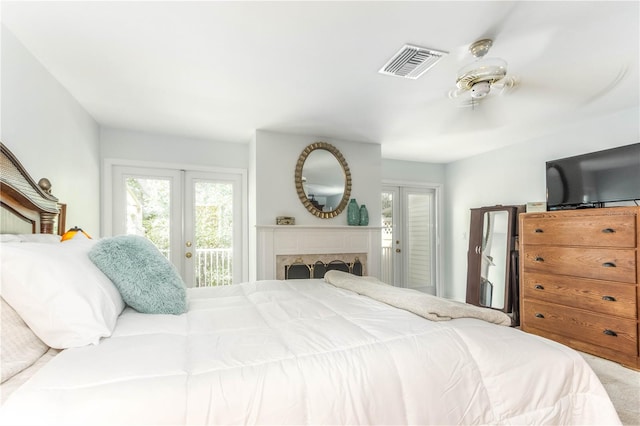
point(26, 207)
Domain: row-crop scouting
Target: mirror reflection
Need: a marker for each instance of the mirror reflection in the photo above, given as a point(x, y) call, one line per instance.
point(323, 180)
point(493, 267)
point(492, 259)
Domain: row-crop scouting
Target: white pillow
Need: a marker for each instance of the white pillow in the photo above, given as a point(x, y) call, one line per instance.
point(30, 238)
point(61, 295)
point(40, 238)
point(9, 238)
point(20, 346)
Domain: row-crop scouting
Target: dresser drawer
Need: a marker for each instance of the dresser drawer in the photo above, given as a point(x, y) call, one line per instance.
point(614, 333)
point(605, 297)
point(594, 231)
point(599, 263)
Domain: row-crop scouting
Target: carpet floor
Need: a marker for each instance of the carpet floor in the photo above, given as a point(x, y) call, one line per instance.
point(623, 386)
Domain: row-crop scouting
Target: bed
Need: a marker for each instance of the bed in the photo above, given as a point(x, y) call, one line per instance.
point(267, 352)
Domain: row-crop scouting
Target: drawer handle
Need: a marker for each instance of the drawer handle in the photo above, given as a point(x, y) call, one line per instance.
point(609, 265)
point(540, 231)
point(539, 259)
point(610, 332)
point(539, 315)
point(539, 287)
point(608, 230)
point(609, 298)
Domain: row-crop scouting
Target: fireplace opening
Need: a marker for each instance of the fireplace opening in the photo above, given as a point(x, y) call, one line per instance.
point(315, 266)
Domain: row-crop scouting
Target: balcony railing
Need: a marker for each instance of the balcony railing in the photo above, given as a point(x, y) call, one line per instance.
point(214, 267)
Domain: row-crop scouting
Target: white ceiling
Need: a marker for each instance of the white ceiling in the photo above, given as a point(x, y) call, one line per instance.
point(221, 70)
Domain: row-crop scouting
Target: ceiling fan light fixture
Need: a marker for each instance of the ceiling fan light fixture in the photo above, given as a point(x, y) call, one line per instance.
point(480, 89)
point(485, 69)
point(476, 80)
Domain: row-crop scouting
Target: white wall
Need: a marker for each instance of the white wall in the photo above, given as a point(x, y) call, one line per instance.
point(167, 149)
point(273, 159)
point(50, 133)
point(412, 171)
point(276, 155)
point(516, 175)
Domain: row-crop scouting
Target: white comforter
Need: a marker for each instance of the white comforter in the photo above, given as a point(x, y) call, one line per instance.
point(303, 351)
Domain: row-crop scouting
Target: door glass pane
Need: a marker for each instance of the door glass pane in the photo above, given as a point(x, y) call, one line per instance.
point(213, 228)
point(386, 269)
point(418, 241)
point(149, 210)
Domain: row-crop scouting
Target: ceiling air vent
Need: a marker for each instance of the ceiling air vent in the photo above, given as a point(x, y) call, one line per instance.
point(411, 61)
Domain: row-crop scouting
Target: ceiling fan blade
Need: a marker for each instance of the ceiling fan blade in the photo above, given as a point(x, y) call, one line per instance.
point(468, 115)
point(496, 27)
point(502, 11)
point(565, 84)
point(609, 86)
point(505, 86)
point(456, 93)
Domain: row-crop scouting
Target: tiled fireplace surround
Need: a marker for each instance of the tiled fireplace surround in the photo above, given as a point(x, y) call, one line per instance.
point(282, 245)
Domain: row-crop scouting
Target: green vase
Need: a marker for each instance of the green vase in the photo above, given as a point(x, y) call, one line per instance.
point(353, 213)
point(364, 215)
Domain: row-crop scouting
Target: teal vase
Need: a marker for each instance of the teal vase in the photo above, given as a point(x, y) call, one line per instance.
point(364, 215)
point(353, 213)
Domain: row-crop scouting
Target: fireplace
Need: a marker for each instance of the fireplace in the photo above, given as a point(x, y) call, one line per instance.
point(279, 246)
point(315, 265)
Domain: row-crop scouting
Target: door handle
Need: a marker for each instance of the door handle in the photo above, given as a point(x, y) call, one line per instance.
point(188, 255)
point(398, 250)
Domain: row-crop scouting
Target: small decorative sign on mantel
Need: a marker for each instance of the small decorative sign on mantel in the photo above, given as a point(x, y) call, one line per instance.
point(285, 220)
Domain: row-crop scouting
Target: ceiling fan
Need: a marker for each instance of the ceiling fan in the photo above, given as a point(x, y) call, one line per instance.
point(483, 76)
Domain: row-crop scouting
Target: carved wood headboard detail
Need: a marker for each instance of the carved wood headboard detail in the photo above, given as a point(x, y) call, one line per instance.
point(26, 207)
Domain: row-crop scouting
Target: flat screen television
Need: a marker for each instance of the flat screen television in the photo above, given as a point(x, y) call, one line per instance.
point(591, 180)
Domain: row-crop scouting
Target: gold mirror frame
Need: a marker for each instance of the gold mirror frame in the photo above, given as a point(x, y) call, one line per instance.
point(300, 189)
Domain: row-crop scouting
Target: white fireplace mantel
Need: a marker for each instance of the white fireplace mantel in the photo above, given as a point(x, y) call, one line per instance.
point(275, 240)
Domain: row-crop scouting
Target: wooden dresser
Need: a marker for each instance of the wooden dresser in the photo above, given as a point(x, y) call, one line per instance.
point(579, 280)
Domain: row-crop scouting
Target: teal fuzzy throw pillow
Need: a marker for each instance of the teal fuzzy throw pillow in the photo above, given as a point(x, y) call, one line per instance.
point(146, 279)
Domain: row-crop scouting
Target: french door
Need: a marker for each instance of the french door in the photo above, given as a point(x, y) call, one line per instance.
point(409, 237)
point(193, 217)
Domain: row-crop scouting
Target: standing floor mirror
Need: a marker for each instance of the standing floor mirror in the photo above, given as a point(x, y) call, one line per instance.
point(492, 278)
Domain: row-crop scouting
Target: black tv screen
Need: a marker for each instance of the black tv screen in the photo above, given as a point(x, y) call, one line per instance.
point(590, 180)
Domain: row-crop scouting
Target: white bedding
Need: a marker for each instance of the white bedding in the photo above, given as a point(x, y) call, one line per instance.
point(10, 386)
point(305, 352)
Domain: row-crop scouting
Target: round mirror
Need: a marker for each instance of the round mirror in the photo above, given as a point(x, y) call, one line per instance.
point(323, 180)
